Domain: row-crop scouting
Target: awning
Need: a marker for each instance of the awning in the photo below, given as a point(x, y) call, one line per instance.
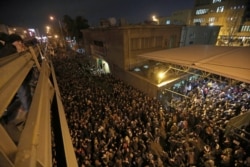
point(230, 62)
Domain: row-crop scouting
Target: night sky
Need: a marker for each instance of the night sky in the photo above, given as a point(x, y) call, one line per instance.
point(35, 14)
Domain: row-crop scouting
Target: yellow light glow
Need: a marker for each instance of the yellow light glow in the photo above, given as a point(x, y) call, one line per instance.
point(166, 82)
point(161, 75)
point(155, 19)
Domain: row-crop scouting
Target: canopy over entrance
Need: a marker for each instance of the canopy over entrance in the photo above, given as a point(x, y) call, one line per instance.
point(230, 62)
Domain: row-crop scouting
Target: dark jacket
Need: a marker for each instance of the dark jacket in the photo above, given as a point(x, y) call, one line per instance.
point(7, 50)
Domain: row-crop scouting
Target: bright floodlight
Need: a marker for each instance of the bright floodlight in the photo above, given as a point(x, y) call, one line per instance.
point(161, 75)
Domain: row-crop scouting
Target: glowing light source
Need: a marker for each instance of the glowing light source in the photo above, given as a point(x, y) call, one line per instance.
point(155, 19)
point(51, 18)
point(161, 75)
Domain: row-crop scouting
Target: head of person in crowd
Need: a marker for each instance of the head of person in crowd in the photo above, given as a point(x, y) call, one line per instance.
point(31, 42)
point(17, 41)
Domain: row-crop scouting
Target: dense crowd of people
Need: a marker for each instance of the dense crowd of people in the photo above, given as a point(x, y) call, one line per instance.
point(113, 124)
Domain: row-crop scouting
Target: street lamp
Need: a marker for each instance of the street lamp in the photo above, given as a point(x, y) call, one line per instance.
point(52, 18)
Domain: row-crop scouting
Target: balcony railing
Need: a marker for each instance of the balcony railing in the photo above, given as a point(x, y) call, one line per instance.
point(34, 145)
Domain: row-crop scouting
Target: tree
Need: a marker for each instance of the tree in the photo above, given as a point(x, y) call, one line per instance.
point(80, 23)
point(73, 27)
point(68, 25)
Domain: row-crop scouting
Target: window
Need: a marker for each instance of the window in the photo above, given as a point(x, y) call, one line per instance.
point(211, 19)
point(216, 1)
point(245, 29)
point(220, 9)
point(231, 19)
point(167, 21)
point(199, 20)
point(201, 11)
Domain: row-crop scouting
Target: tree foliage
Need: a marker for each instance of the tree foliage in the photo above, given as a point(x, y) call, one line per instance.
point(72, 27)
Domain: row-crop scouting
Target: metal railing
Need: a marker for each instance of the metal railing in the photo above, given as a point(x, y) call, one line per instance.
point(34, 147)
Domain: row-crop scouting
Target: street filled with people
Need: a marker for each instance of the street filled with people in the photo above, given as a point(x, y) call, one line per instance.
point(115, 125)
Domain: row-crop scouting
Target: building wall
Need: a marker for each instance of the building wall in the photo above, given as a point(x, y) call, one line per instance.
point(203, 35)
point(136, 81)
point(229, 14)
point(121, 45)
point(181, 17)
point(111, 44)
point(143, 39)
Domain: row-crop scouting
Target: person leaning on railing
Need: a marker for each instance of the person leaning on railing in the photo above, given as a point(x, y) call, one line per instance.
point(13, 43)
point(17, 41)
point(15, 113)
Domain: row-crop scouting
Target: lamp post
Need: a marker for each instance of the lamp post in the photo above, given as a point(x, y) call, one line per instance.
point(61, 30)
